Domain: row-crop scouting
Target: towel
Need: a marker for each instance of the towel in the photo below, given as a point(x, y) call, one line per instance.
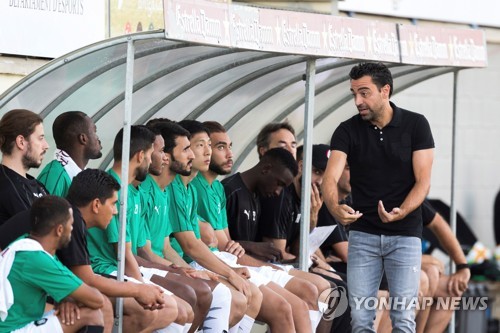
point(6, 260)
point(67, 162)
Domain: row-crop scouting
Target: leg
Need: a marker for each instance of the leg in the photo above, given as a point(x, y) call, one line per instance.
point(382, 317)
point(88, 317)
point(402, 262)
point(185, 298)
point(107, 313)
point(439, 316)
point(239, 304)
point(300, 310)
point(432, 278)
point(275, 311)
point(364, 273)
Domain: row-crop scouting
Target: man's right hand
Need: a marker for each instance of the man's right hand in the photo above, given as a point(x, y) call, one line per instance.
point(264, 250)
point(150, 296)
point(345, 214)
point(239, 283)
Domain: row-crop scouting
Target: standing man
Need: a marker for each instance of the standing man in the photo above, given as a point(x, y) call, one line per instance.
point(23, 145)
point(77, 142)
point(390, 152)
point(31, 271)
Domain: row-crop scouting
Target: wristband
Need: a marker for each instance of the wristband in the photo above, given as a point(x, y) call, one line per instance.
point(462, 266)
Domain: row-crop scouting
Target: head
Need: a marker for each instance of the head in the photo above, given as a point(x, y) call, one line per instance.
point(52, 216)
point(371, 86)
point(320, 156)
point(276, 135)
point(158, 157)
point(97, 190)
point(276, 170)
point(75, 129)
point(221, 162)
point(178, 154)
point(200, 143)
point(22, 133)
point(141, 148)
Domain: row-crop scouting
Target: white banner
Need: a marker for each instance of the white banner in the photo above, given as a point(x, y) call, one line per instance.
point(50, 28)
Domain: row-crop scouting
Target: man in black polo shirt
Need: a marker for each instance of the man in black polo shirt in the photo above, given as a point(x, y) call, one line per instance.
point(390, 152)
point(23, 146)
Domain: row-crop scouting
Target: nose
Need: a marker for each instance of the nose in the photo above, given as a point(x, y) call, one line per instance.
point(358, 100)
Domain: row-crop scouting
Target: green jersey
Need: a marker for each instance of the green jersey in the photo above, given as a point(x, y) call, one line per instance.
point(55, 178)
point(211, 202)
point(155, 207)
point(33, 276)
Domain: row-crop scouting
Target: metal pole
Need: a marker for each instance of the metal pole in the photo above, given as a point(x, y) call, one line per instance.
point(129, 83)
point(307, 165)
point(453, 208)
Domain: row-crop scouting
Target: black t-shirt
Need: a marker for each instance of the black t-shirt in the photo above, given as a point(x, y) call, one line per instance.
point(380, 162)
point(428, 213)
point(243, 209)
point(76, 253)
point(14, 228)
point(280, 216)
point(17, 193)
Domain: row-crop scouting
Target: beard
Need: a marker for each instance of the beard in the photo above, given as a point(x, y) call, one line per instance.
point(141, 174)
point(29, 160)
point(217, 169)
point(179, 168)
point(64, 242)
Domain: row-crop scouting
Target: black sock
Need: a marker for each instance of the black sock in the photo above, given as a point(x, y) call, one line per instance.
point(92, 329)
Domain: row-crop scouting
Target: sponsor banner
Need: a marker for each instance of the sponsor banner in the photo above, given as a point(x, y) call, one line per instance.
point(50, 28)
point(129, 16)
point(238, 26)
point(442, 47)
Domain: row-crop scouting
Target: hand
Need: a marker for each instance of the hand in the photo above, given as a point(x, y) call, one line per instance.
point(242, 271)
point(150, 296)
point(68, 312)
point(320, 263)
point(345, 214)
point(458, 282)
point(240, 284)
point(206, 275)
point(316, 200)
point(395, 214)
point(184, 271)
point(235, 248)
point(265, 250)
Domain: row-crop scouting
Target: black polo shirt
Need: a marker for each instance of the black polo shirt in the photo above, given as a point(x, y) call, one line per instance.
point(243, 209)
point(380, 162)
point(428, 213)
point(17, 193)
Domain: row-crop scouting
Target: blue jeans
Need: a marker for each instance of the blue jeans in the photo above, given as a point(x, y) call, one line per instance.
point(369, 255)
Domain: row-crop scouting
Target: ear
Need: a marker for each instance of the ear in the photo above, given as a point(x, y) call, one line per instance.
point(168, 158)
point(20, 142)
point(300, 164)
point(59, 230)
point(140, 156)
point(94, 206)
point(262, 151)
point(82, 138)
point(385, 90)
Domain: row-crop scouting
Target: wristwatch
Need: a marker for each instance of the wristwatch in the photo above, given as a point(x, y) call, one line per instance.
point(462, 266)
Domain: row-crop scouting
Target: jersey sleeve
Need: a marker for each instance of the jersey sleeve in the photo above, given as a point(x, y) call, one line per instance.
point(428, 213)
point(422, 136)
point(341, 139)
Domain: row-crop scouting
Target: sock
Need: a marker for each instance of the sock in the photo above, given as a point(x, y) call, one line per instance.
point(315, 316)
point(172, 328)
point(217, 319)
point(187, 327)
point(244, 326)
point(92, 329)
point(478, 254)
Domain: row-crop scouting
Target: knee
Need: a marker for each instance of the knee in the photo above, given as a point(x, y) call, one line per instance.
point(239, 305)
point(257, 296)
point(187, 293)
point(184, 313)
point(92, 317)
point(433, 276)
point(203, 294)
point(424, 285)
point(169, 313)
point(309, 294)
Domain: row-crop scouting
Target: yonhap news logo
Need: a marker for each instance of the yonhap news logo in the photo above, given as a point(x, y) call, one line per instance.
point(338, 303)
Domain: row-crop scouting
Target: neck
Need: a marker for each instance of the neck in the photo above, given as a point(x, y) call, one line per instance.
point(210, 176)
point(15, 164)
point(385, 117)
point(187, 179)
point(249, 179)
point(87, 215)
point(47, 243)
point(117, 168)
point(77, 156)
point(162, 180)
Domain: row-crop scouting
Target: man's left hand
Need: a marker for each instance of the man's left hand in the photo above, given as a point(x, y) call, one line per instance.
point(458, 282)
point(394, 215)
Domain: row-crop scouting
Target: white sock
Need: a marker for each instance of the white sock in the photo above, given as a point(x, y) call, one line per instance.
point(217, 319)
point(244, 326)
point(172, 328)
point(315, 316)
point(187, 327)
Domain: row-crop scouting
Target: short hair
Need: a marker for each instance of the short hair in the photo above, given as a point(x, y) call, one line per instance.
point(171, 131)
point(214, 127)
point(300, 153)
point(194, 126)
point(16, 122)
point(266, 131)
point(48, 212)
point(91, 184)
point(141, 138)
point(68, 126)
point(155, 121)
point(380, 74)
point(282, 157)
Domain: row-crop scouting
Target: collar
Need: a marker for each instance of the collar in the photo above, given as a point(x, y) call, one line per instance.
point(67, 162)
point(396, 116)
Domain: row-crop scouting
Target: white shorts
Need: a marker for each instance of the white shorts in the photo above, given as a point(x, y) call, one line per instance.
point(146, 281)
point(278, 276)
point(47, 324)
point(148, 273)
point(230, 260)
